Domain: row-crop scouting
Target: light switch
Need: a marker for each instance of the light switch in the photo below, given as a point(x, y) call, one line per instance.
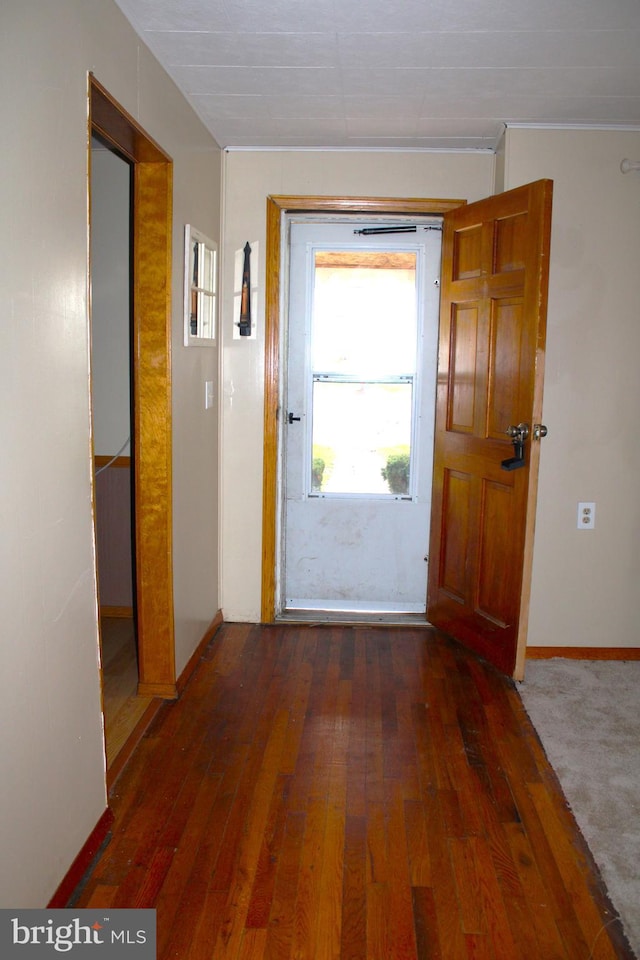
point(208, 394)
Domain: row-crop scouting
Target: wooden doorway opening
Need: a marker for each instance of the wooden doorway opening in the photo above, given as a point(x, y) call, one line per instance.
point(277, 207)
point(151, 369)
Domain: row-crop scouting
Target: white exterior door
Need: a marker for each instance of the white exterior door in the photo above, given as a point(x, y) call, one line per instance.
point(358, 415)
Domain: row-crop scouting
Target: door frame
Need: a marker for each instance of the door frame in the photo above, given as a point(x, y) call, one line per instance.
point(152, 218)
point(277, 207)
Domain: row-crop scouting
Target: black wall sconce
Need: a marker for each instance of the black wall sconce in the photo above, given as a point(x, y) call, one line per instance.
point(245, 296)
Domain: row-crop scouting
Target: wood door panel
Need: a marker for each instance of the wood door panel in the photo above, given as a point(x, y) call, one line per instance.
point(496, 584)
point(462, 369)
point(455, 541)
point(505, 352)
point(492, 333)
point(467, 253)
point(510, 243)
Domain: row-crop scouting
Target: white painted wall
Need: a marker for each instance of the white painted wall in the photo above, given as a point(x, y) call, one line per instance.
point(51, 745)
point(585, 583)
point(249, 177)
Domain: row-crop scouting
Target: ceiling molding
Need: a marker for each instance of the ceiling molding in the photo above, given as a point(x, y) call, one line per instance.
point(489, 151)
point(629, 127)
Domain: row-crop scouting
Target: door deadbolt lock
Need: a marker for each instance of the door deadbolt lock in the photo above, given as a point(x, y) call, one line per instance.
point(518, 435)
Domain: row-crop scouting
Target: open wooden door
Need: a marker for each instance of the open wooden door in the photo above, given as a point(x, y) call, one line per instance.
point(495, 260)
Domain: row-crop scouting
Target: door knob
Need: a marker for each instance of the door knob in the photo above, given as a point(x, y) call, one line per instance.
point(520, 433)
point(539, 431)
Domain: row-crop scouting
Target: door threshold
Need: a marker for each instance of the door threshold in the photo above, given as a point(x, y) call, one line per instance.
point(353, 617)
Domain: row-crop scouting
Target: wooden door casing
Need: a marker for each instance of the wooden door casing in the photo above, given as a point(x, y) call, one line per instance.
point(490, 373)
point(152, 444)
point(277, 207)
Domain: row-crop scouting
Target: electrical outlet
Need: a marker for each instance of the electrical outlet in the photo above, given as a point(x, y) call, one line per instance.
point(586, 515)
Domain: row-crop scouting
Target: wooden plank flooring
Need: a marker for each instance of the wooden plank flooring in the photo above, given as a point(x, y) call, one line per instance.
point(123, 708)
point(350, 793)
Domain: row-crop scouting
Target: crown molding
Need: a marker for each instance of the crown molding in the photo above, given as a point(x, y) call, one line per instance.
point(572, 126)
point(247, 149)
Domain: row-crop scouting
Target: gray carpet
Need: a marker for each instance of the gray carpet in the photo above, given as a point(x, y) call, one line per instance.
point(587, 715)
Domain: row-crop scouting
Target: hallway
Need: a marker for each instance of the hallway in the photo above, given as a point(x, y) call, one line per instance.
point(349, 792)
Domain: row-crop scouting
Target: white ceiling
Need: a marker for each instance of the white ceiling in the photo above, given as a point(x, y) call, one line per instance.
point(445, 74)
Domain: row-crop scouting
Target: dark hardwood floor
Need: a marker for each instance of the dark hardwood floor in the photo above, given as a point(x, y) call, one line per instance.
point(350, 793)
point(123, 708)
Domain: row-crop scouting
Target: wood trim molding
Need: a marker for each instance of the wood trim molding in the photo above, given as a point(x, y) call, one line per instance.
point(166, 691)
point(276, 207)
point(584, 653)
point(119, 613)
point(100, 460)
point(152, 417)
point(152, 233)
point(111, 122)
point(363, 205)
point(82, 862)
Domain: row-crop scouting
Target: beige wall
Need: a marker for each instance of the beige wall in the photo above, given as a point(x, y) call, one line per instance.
point(249, 177)
point(585, 583)
point(52, 757)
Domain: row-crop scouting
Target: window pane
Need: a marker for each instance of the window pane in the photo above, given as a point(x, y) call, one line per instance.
point(204, 321)
point(364, 312)
point(208, 273)
point(361, 437)
point(195, 264)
